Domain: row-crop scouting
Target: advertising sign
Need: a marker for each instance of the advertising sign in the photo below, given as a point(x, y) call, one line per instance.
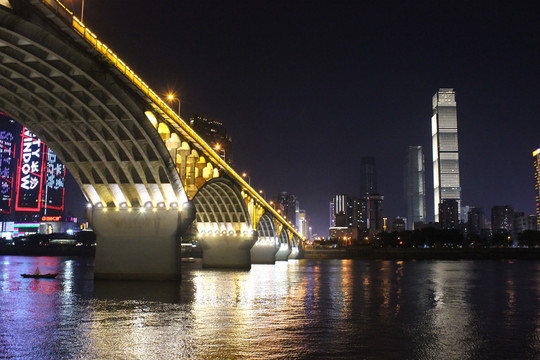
point(7, 152)
point(29, 173)
point(54, 185)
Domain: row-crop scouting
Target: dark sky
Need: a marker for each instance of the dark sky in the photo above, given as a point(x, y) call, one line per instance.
point(306, 89)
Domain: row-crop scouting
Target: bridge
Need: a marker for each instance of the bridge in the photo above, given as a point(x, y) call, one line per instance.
point(148, 177)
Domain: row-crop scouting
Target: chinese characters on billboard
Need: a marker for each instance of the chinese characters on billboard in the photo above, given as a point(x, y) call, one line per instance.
point(56, 174)
point(29, 173)
point(7, 161)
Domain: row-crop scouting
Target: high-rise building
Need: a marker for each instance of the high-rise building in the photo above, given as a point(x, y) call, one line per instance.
point(287, 206)
point(375, 219)
point(532, 222)
point(415, 194)
point(446, 183)
point(449, 214)
point(520, 223)
point(214, 133)
point(303, 227)
point(502, 218)
point(476, 220)
point(536, 157)
point(340, 211)
point(368, 176)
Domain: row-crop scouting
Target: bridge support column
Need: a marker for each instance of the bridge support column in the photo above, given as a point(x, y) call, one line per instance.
point(283, 252)
point(297, 252)
point(224, 251)
point(264, 251)
point(139, 245)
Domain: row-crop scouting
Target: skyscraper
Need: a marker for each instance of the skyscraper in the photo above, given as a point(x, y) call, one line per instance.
point(340, 210)
point(215, 135)
point(287, 206)
point(536, 156)
point(415, 194)
point(502, 218)
point(444, 131)
point(368, 176)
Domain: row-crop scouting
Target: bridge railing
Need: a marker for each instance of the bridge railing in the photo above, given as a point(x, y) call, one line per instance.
point(92, 39)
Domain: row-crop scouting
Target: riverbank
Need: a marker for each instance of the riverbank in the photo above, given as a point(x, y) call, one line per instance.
point(48, 250)
point(424, 254)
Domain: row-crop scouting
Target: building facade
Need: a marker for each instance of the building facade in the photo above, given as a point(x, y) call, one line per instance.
point(476, 220)
point(415, 192)
point(214, 133)
point(287, 206)
point(368, 176)
point(448, 214)
point(536, 164)
point(446, 177)
point(502, 219)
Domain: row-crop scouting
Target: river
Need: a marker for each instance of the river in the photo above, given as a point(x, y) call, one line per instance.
point(301, 309)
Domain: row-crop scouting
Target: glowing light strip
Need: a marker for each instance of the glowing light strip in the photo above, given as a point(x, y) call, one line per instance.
point(92, 39)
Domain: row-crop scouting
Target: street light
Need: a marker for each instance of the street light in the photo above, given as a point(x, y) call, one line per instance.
point(262, 194)
point(220, 151)
point(82, 11)
point(245, 175)
point(171, 97)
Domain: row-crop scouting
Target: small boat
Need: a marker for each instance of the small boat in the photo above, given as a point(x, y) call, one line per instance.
point(40, 276)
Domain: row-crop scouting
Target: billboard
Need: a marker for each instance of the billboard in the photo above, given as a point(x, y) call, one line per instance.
point(7, 159)
point(54, 184)
point(8, 135)
point(29, 173)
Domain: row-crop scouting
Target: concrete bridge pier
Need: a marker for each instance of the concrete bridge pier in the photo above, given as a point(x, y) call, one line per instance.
point(264, 251)
point(135, 244)
point(283, 252)
point(227, 251)
point(297, 252)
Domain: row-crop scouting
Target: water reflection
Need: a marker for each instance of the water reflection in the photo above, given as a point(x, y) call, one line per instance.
point(302, 309)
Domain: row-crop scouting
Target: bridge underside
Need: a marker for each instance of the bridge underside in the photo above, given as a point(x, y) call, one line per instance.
point(142, 169)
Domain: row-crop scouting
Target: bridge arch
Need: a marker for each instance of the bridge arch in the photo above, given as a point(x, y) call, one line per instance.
point(98, 129)
point(221, 210)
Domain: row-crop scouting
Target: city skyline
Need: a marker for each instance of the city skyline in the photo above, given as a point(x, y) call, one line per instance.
point(335, 82)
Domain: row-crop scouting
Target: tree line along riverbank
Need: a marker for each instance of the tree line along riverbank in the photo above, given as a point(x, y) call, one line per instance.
point(424, 253)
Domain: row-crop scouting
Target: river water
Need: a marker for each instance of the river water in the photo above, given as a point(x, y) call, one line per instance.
point(301, 309)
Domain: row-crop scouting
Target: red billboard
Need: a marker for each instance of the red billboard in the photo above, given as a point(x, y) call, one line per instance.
point(30, 173)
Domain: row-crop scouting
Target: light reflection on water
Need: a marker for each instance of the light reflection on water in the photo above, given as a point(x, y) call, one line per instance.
point(303, 309)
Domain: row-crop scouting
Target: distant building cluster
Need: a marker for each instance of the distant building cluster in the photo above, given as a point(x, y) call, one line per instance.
point(358, 220)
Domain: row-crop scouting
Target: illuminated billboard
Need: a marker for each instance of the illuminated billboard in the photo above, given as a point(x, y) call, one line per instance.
point(54, 185)
point(8, 134)
point(29, 173)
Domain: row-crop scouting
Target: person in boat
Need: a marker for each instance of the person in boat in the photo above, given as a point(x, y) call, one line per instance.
point(37, 272)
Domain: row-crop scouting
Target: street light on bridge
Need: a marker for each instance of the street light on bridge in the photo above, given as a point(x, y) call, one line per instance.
point(245, 175)
point(171, 98)
point(220, 151)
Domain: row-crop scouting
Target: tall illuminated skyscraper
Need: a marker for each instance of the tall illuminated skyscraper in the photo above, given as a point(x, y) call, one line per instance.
point(444, 132)
point(368, 176)
point(536, 156)
point(415, 193)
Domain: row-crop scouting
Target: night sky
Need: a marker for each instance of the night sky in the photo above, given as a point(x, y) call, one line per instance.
point(306, 89)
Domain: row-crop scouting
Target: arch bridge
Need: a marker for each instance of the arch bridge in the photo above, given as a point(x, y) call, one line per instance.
point(147, 176)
